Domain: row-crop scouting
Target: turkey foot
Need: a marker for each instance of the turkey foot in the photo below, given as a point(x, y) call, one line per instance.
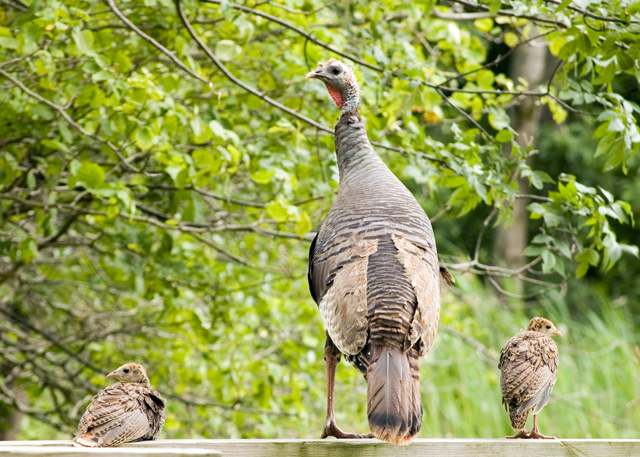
point(540, 436)
point(521, 434)
point(331, 429)
point(535, 433)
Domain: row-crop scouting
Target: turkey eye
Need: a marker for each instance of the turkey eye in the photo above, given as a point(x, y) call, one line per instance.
point(335, 70)
point(126, 370)
point(548, 326)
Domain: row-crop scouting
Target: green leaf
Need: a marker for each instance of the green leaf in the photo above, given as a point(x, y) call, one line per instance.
point(499, 119)
point(201, 131)
point(504, 136)
point(485, 79)
point(548, 261)
point(8, 42)
point(484, 24)
point(87, 174)
point(227, 50)
point(84, 40)
point(277, 211)
point(511, 39)
point(262, 176)
point(303, 224)
point(207, 160)
point(55, 145)
point(28, 251)
point(143, 138)
point(588, 255)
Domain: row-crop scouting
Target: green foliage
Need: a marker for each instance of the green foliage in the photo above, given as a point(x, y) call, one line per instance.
point(156, 204)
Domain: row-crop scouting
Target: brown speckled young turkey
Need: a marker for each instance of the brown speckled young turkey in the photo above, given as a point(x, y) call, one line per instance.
point(129, 410)
point(528, 369)
point(374, 273)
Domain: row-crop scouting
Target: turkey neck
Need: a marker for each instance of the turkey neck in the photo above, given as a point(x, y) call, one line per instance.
point(356, 157)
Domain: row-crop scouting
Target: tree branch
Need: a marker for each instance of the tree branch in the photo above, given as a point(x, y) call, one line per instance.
point(125, 20)
point(63, 112)
point(541, 20)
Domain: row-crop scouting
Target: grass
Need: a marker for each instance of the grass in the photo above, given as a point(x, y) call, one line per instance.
point(596, 395)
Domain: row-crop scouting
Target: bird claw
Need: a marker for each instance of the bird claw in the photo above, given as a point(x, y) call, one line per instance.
point(331, 429)
point(533, 435)
point(540, 436)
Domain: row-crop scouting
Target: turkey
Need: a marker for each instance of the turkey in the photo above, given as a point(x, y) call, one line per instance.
point(129, 410)
point(528, 369)
point(374, 273)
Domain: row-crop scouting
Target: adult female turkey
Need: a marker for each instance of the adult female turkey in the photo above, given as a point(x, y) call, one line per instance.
point(374, 273)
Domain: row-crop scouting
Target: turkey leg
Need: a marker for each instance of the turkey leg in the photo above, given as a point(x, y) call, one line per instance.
point(535, 433)
point(331, 359)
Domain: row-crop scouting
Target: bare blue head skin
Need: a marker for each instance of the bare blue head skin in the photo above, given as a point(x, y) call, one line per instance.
point(341, 84)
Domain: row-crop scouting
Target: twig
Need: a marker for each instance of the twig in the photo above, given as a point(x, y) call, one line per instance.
point(461, 16)
point(238, 82)
point(485, 225)
point(298, 30)
point(489, 355)
point(466, 115)
point(69, 119)
point(156, 44)
point(509, 13)
point(596, 16)
point(494, 62)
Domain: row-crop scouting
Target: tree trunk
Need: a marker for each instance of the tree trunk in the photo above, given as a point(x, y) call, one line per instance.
point(529, 63)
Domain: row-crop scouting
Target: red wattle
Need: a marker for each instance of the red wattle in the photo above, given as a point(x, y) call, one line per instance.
point(336, 95)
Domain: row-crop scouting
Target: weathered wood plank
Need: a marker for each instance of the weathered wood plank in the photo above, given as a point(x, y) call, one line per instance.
point(335, 448)
point(418, 448)
point(34, 449)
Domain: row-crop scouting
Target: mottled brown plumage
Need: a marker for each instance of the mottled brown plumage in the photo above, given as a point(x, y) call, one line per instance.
point(374, 272)
point(528, 368)
point(129, 410)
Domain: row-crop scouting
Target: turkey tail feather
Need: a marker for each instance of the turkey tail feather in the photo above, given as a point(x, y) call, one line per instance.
point(393, 396)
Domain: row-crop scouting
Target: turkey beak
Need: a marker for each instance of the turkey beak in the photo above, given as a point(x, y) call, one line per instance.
point(315, 74)
point(557, 332)
point(112, 375)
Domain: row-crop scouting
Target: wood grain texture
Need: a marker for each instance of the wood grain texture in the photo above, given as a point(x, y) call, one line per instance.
point(57, 450)
point(334, 448)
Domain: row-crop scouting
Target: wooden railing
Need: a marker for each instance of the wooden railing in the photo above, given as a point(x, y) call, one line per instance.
point(334, 448)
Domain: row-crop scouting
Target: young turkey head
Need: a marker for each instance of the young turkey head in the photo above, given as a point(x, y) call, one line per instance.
point(341, 84)
point(542, 325)
point(130, 372)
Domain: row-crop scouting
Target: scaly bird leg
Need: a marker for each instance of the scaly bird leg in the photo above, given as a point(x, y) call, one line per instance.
point(535, 433)
point(331, 359)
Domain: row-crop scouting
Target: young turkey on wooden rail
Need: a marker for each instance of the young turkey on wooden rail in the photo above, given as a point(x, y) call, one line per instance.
point(528, 370)
point(129, 410)
point(374, 273)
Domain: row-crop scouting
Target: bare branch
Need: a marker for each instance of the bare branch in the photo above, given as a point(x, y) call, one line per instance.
point(537, 19)
point(461, 16)
point(596, 16)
